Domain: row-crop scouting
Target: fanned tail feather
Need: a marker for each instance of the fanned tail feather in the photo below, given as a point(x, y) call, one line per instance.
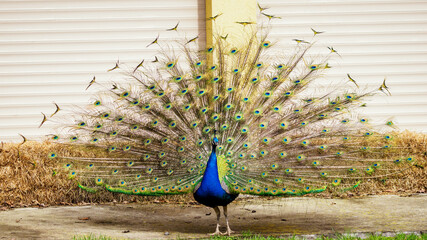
point(152, 137)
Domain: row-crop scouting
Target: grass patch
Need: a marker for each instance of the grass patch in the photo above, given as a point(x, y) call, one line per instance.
point(93, 237)
point(27, 179)
point(399, 236)
point(250, 236)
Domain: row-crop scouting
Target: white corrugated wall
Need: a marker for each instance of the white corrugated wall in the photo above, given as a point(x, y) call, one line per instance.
point(375, 38)
point(51, 49)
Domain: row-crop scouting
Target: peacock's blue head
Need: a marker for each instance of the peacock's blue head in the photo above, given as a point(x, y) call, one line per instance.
point(215, 140)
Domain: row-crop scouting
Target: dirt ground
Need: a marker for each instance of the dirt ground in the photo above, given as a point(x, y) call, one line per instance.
point(285, 216)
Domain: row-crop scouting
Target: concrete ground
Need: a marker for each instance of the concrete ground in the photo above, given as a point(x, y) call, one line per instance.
point(280, 216)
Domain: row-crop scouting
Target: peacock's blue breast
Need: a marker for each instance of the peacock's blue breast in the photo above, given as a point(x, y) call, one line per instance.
point(210, 191)
point(211, 194)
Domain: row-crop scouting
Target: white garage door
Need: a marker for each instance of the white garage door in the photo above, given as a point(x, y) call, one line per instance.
point(51, 49)
point(375, 38)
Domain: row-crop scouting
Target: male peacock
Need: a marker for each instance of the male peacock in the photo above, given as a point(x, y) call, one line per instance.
point(225, 121)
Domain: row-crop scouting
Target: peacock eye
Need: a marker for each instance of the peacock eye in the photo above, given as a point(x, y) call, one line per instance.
point(266, 44)
point(170, 65)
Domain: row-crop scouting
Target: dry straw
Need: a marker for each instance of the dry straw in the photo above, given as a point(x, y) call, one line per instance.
point(27, 176)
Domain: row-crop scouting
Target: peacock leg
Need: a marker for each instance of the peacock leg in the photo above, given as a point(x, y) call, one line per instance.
point(218, 214)
point(229, 231)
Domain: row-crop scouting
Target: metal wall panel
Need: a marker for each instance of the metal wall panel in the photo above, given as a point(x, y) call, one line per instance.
point(51, 49)
point(375, 38)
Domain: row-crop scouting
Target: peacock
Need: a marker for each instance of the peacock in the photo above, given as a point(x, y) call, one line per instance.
point(224, 121)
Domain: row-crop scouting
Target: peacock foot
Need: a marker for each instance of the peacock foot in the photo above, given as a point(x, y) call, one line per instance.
point(228, 233)
point(216, 233)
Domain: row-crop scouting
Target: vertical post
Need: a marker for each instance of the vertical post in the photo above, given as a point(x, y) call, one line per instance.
point(209, 23)
point(230, 12)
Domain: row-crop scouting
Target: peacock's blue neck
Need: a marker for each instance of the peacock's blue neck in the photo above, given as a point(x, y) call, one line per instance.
point(212, 165)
